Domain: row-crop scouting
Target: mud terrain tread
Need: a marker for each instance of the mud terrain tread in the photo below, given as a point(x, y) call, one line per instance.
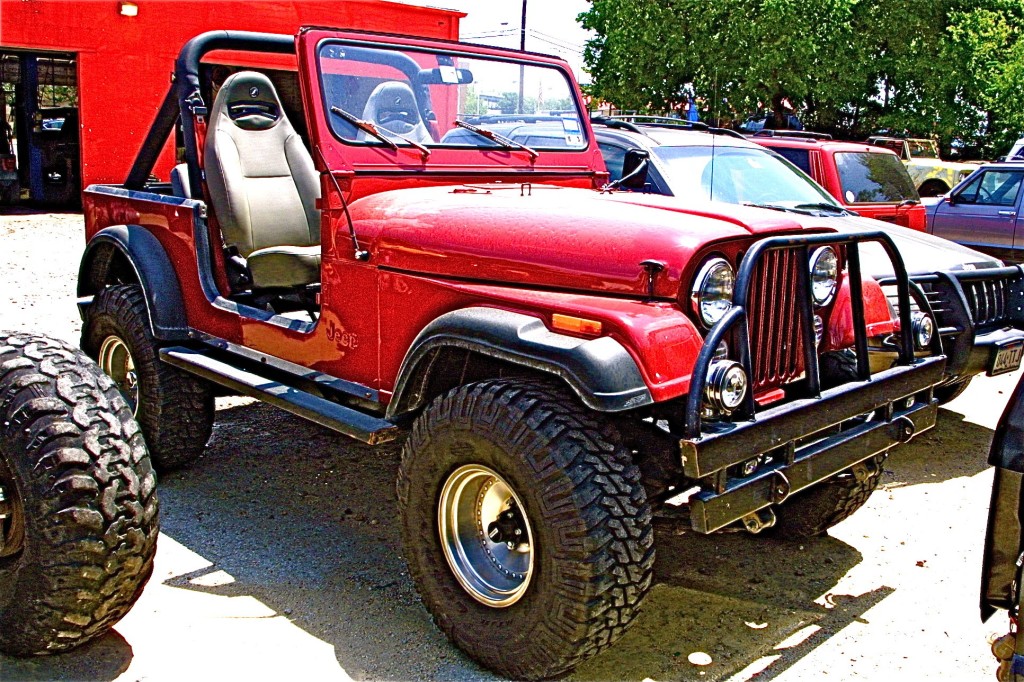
point(82, 472)
point(589, 494)
point(177, 412)
point(814, 511)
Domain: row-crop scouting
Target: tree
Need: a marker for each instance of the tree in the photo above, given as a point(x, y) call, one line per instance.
point(950, 68)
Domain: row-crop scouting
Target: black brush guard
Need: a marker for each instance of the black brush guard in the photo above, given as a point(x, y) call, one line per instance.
point(970, 306)
point(815, 437)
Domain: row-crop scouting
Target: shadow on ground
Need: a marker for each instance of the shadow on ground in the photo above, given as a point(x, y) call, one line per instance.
point(305, 522)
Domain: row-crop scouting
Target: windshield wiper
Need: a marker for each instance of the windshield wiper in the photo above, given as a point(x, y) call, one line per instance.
point(822, 206)
point(380, 133)
point(773, 207)
point(495, 137)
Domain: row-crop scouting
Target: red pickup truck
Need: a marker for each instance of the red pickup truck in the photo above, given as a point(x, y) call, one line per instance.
point(865, 178)
point(352, 238)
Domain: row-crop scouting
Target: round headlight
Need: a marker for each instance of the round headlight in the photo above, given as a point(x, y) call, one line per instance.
point(712, 291)
point(923, 328)
point(726, 385)
point(824, 275)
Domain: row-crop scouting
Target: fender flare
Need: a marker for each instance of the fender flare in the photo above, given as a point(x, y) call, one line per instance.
point(153, 271)
point(600, 371)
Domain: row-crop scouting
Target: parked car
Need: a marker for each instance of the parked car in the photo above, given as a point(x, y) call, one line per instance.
point(970, 291)
point(864, 178)
point(567, 359)
point(1000, 567)
point(931, 175)
point(984, 212)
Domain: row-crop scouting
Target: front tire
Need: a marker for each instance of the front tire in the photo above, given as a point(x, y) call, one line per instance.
point(174, 408)
point(79, 507)
point(489, 459)
point(813, 511)
point(949, 392)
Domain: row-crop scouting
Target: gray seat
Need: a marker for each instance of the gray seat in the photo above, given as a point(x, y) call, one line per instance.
point(179, 181)
point(262, 183)
point(392, 106)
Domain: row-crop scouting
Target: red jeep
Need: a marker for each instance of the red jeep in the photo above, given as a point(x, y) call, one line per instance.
point(351, 240)
point(868, 179)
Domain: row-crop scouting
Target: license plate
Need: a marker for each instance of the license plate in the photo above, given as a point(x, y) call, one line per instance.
point(1006, 358)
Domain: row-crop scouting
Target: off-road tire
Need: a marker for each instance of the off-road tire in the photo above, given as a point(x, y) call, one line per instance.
point(174, 408)
point(81, 529)
point(593, 536)
point(949, 392)
point(813, 511)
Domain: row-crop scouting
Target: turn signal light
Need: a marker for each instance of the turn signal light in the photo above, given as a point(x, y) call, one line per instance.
point(575, 325)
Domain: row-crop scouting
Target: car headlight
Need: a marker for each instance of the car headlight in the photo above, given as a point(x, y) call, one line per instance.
point(824, 275)
point(712, 291)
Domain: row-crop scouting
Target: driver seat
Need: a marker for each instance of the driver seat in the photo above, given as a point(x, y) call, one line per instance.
point(262, 183)
point(392, 106)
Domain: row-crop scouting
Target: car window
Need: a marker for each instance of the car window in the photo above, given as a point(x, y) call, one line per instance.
point(614, 157)
point(992, 188)
point(865, 177)
point(738, 175)
point(801, 158)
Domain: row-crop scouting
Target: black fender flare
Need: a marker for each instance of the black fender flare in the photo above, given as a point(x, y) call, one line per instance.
point(600, 371)
point(153, 271)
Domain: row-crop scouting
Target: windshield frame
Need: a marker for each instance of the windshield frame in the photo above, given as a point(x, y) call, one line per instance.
point(456, 51)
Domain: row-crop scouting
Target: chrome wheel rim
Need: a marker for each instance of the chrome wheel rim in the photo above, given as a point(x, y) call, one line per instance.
point(486, 536)
point(116, 362)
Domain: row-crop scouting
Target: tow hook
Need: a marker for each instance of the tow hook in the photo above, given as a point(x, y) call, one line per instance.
point(863, 471)
point(903, 429)
point(759, 520)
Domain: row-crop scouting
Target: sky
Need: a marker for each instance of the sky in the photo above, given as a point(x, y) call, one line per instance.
point(551, 25)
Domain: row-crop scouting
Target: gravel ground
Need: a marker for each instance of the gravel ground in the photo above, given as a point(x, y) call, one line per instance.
point(279, 556)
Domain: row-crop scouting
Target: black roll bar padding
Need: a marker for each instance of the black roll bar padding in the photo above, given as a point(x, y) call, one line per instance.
point(737, 315)
point(184, 97)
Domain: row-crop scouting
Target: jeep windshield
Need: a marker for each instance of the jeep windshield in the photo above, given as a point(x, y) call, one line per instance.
point(403, 97)
point(873, 178)
point(741, 175)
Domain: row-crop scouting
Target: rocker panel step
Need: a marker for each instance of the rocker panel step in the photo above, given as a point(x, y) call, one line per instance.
point(358, 425)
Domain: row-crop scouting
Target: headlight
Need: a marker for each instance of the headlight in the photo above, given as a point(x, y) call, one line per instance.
point(712, 291)
point(726, 386)
point(923, 329)
point(824, 275)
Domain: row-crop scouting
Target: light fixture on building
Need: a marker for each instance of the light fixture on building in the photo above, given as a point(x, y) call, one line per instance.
point(129, 9)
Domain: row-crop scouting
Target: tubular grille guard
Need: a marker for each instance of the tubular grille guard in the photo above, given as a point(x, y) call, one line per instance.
point(991, 296)
point(737, 318)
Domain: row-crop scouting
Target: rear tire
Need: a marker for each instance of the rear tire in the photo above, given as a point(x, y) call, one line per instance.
point(174, 408)
point(491, 458)
point(813, 511)
point(932, 188)
point(80, 506)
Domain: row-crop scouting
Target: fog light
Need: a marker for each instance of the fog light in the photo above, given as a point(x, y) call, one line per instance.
point(726, 386)
point(923, 329)
point(722, 352)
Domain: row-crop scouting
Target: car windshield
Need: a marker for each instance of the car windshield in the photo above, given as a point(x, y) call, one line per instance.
point(923, 149)
point(873, 178)
point(446, 99)
point(739, 175)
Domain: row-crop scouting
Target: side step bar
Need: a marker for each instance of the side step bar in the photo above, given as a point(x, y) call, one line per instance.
point(358, 425)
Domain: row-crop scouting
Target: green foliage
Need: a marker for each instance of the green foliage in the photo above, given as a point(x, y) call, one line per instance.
point(950, 68)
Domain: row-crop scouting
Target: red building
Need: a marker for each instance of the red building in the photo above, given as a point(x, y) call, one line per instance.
point(119, 55)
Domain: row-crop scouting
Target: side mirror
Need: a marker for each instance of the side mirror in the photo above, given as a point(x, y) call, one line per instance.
point(950, 199)
point(634, 169)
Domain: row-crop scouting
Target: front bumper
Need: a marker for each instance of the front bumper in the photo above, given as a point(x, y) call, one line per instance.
point(810, 440)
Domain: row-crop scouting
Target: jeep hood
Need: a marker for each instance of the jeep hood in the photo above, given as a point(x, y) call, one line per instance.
point(549, 237)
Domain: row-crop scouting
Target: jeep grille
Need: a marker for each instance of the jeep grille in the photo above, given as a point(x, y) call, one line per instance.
point(776, 340)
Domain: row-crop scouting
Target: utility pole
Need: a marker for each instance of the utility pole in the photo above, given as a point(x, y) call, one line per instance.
point(522, 47)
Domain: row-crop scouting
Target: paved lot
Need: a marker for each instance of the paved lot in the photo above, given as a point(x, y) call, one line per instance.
point(279, 555)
